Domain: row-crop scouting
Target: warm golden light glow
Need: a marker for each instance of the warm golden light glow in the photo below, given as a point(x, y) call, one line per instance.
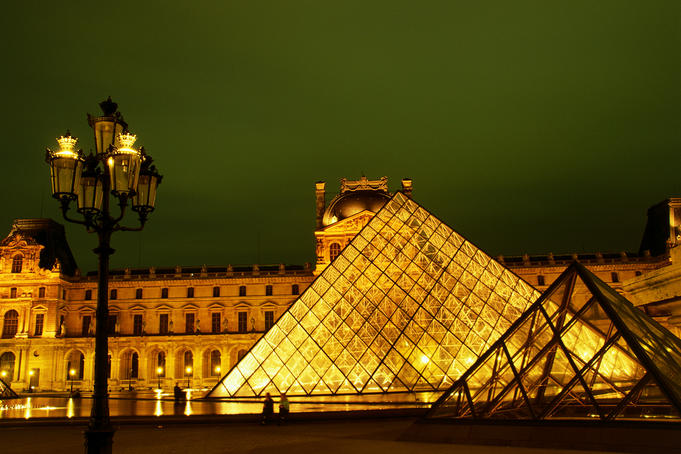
point(3, 373)
point(67, 147)
point(31, 373)
point(408, 305)
point(70, 408)
point(72, 372)
point(188, 370)
point(217, 369)
point(125, 143)
point(159, 370)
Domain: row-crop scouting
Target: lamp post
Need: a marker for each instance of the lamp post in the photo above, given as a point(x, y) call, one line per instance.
point(72, 372)
point(116, 169)
point(159, 371)
point(188, 371)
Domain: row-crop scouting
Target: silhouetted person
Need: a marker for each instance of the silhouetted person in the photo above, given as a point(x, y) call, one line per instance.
point(267, 409)
point(178, 393)
point(283, 408)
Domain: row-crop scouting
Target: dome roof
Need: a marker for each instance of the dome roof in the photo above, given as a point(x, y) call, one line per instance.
point(350, 203)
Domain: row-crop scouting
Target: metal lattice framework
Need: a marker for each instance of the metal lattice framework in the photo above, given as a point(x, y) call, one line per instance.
point(596, 357)
point(408, 305)
point(6, 392)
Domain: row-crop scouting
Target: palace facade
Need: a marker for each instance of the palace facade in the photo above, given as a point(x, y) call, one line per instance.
point(192, 324)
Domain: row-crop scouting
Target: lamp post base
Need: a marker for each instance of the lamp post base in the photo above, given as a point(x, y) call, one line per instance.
point(99, 441)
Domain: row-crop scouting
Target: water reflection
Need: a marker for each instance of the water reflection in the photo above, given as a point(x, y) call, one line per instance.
point(157, 403)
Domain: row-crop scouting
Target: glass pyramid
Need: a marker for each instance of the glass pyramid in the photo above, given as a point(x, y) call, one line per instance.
point(408, 305)
point(6, 392)
point(556, 362)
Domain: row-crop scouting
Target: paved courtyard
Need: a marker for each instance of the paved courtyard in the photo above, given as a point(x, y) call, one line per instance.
point(325, 437)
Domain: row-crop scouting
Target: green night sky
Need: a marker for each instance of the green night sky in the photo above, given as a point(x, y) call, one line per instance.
point(527, 126)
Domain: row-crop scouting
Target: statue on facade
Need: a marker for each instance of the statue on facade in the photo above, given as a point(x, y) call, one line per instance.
point(91, 328)
point(62, 328)
point(197, 328)
point(117, 327)
point(252, 324)
point(170, 327)
point(225, 325)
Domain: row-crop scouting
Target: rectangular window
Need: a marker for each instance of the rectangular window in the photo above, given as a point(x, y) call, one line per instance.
point(243, 322)
point(189, 323)
point(41, 292)
point(111, 324)
point(294, 289)
point(113, 294)
point(268, 290)
point(242, 290)
point(215, 322)
point(216, 292)
point(13, 292)
point(540, 280)
point(39, 320)
point(85, 327)
point(138, 294)
point(269, 319)
point(63, 294)
point(164, 293)
point(137, 324)
point(190, 292)
point(163, 324)
point(88, 295)
point(614, 277)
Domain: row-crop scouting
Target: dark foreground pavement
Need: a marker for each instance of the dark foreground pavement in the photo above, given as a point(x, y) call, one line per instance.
point(300, 437)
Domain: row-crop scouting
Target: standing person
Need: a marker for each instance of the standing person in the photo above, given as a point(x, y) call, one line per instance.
point(283, 408)
point(177, 391)
point(267, 409)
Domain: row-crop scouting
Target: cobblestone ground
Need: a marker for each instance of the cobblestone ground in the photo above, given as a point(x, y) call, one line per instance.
point(354, 437)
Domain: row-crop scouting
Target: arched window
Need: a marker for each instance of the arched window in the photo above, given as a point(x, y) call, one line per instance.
point(7, 366)
point(17, 263)
point(215, 363)
point(242, 290)
point(161, 364)
point(134, 365)
point(10, 324)
point(188, 361)
point(75, 366)
point(334, 251)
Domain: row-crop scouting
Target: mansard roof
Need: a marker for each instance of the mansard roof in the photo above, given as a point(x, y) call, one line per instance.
point(51, 235)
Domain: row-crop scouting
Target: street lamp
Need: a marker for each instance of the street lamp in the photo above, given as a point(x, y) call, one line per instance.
point(188, 372)
point(159, 371)
point(116, 169)
point(72, 372)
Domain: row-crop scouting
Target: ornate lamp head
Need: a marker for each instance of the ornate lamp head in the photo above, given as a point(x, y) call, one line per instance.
point(66, 165)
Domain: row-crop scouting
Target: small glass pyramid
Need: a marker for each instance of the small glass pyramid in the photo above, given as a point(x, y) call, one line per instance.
point(557, 362)
point(408, 305)
point(6, 392)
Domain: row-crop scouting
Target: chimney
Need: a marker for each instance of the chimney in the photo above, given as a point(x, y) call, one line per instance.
point(406, 187)
point(320, 193)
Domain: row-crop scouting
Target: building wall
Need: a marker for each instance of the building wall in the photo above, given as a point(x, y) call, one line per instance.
point(44, 360)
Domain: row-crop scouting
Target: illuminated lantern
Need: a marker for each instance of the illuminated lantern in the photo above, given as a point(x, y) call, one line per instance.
point(66, 165)
point(107, 127)
point(144, 199)
point(124, 165)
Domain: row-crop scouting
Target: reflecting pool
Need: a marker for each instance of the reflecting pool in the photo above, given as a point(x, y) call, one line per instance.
point(161, 403)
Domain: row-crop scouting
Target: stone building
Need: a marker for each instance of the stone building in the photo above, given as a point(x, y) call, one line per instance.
point(192, 324)
point(165, 325)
